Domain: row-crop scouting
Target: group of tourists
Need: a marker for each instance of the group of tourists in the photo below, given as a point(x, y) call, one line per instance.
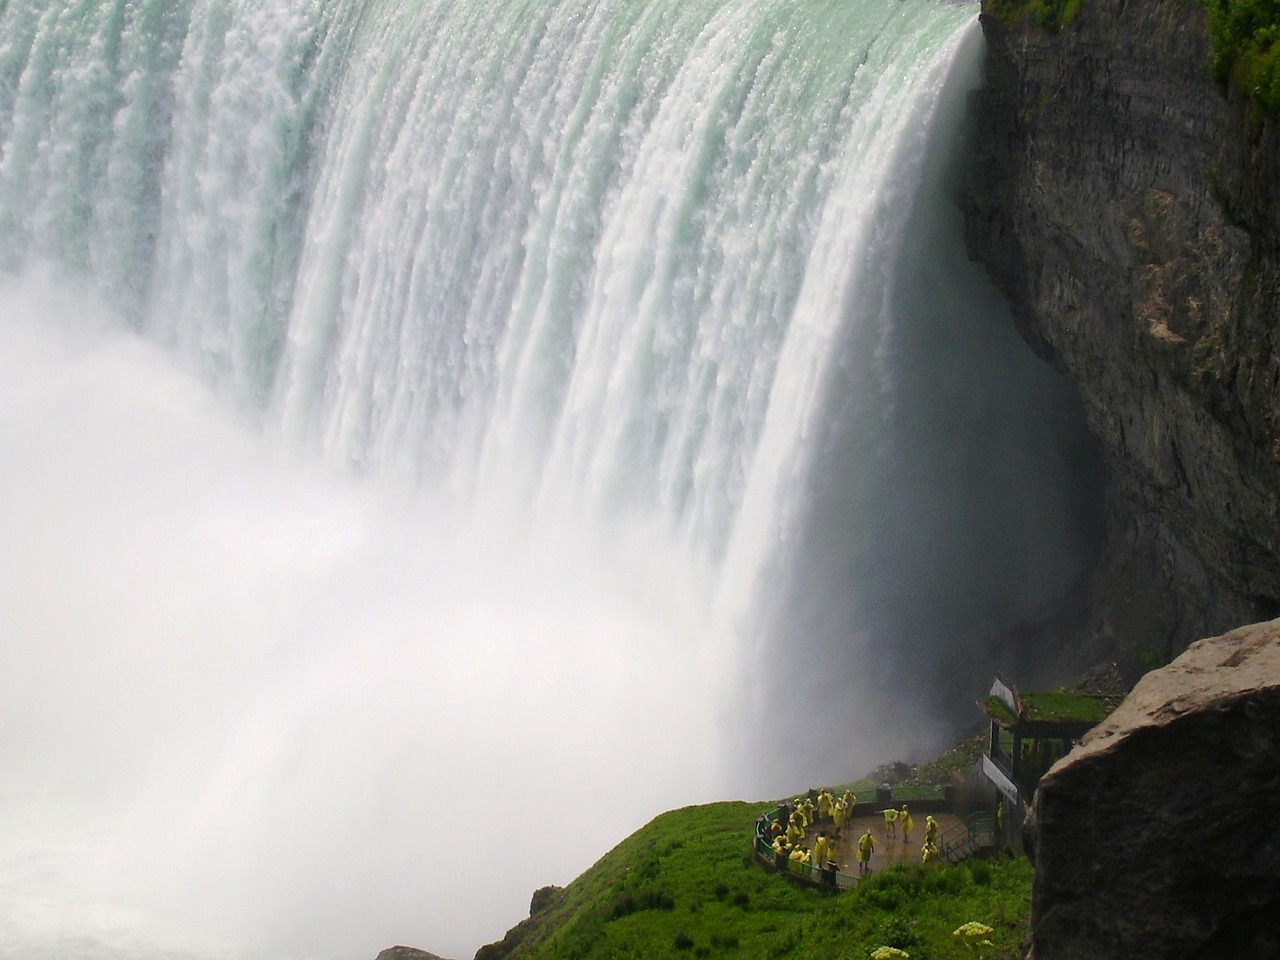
point(788, 833)
point(893, 819)
point(818, 807)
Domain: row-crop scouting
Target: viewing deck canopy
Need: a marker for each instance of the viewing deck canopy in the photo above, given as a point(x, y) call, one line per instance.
point(1032, 731)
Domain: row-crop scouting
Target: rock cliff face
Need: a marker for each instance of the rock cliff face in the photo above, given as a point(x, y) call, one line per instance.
point(1129, 209)
point(1155, 837)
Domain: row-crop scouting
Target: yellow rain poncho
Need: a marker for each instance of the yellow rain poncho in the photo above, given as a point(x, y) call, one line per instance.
point(866, 846)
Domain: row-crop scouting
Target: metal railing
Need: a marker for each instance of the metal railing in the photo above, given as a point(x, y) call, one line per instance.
point(979, 831)
point(806, 873)
point(913, 794)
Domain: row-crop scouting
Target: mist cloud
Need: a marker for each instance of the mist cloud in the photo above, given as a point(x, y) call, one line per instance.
point(254, 707)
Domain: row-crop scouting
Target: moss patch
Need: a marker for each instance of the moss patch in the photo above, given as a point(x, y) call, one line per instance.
point(998, 710)
point(1058, 706)
point(1052, 15)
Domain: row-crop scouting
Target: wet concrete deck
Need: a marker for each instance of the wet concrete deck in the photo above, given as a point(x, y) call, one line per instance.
point(890, 849)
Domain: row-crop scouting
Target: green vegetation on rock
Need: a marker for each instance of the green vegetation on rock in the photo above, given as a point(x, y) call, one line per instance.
point(956, 762)
point(687, 886)
point(1063, 706)
point(1245, 53)
point(1245, 34)
point(998, 710)
point(1052, 15)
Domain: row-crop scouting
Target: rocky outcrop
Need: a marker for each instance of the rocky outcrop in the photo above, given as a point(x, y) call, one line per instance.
point(406, 953)
point(544, 900)
point(1156, 837)
point(1129, 210)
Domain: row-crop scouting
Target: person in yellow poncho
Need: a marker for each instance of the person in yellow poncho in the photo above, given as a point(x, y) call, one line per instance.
point(840, 815)
point(904, 818)
point(928, 852)
point(821, 850)
point(866, 847)
point(824, 805)
point(800, 812)
point(795, 830)
point(930, 829)
point(890, 821)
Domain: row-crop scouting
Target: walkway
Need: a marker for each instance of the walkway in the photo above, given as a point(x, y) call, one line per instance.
point(889, 850)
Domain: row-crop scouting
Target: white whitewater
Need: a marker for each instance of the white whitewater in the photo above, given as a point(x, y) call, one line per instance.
point(400, 402)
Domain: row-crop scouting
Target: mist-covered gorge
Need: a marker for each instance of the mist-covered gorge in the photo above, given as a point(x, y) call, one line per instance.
point(420, 417)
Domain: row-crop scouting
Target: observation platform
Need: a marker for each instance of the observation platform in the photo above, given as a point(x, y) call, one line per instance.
point(890, 850)
point(957, 838)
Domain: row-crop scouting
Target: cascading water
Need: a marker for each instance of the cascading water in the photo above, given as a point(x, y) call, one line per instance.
point(402, 404)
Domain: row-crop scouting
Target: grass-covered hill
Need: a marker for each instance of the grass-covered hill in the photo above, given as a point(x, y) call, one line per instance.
point(686, 886)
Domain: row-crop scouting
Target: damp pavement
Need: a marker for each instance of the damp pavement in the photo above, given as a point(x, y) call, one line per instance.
point(890, 849)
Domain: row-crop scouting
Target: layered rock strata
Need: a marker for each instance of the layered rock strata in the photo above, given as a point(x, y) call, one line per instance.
point(1155, 837)
point(1128, 208)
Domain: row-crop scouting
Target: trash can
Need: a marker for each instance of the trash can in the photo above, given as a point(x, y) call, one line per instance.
point(884, 793)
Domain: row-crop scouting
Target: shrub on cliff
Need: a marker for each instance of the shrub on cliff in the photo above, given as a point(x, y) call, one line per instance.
point(1052, 15)
point(1245, 34)
point(1245, 52)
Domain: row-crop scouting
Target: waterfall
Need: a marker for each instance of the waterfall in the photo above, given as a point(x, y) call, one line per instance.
point(427, 424)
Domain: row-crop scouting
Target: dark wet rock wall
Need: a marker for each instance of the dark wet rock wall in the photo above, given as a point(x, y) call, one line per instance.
point(1127, 207)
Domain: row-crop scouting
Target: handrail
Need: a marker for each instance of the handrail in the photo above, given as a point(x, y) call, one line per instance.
point(807, 873)
point(977, 831)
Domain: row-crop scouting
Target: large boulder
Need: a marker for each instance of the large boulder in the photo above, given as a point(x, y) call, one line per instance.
point(406, 953)
point(1156, 836)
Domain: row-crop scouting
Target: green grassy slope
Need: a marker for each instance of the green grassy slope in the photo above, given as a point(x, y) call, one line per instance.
point(686, 886)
